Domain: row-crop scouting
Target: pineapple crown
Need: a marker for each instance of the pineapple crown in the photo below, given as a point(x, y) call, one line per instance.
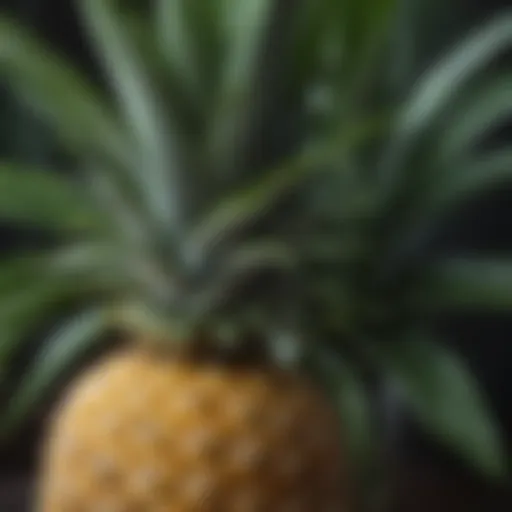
point(243, 172)
point(182, 173)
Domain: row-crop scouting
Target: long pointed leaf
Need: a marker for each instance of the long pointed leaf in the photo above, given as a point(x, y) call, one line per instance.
point(462, 182)
point(350, 393)
point(46, 200)
point(61, 94)
point(33, 287)
point(440, 86)
point(175, 33)
point(483, 112)
point(21, 311)
point(68, 344)
point(446, 398)
point(247, 24)
point(467, 284)
point(247, 206)
point(454, 186)
point(158, 166)
point(445, 79)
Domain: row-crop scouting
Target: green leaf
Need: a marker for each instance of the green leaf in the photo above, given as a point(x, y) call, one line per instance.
point(46, 200)
point(61, 95)
point(241, 265)
point(466, 284)
point(367, 25)
point(247, 206)
point(174, 32)
point(21, 310)
point(191, 36)
point(157, 160)
point(349, 392)
point(18, 271)
point(33, 287)
point(446, 398)
point(125, 212)
point(450, 187)
point(463, 182)
point(67, 344)
point(478, 115)
point(445, 80)
point(246, 28)
point(441, 85)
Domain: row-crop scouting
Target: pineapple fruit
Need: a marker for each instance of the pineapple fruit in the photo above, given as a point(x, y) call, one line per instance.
point(144, 432)
point(233, 209)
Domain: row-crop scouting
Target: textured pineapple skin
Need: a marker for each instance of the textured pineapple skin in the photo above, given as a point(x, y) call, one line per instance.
point(142, 433)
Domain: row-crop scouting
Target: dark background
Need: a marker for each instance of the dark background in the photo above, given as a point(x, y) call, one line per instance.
point(429, 479)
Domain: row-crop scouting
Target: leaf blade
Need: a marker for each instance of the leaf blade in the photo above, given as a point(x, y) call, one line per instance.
point(249, 204)
point(439, 86)
point(446, 398)
point(156, 160)
point(45, 199)
point(66, 345)
point(484, 110)
point(61, 94)
point(247, 24)
point(466, 284)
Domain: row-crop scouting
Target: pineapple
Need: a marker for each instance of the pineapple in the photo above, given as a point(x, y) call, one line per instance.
point(199, 409)
point(240, 210)
point(144, 430)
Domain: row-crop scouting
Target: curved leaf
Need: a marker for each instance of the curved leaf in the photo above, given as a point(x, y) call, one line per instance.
point(174, 33)
point(463, 182)
point(446, 398)
point(241, 267)
point(33, 287)
point(18, 271)
point(156, 162)
point(440, 86)
point(349, 392)
point(67, 344)
point(445, 79)
point(483, 112)
point(467, 284)
point(249, 205)
point(246, 27)
point(21, 311)
point(61, 94)
point(46, 200)
point(455, 185)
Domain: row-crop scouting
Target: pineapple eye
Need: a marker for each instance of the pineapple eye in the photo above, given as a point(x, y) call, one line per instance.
point(105, 469)
point(248, 454)
point(199, 443)
point(198, 488)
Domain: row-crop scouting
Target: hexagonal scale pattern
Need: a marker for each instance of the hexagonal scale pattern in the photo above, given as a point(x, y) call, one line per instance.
point(140, 433)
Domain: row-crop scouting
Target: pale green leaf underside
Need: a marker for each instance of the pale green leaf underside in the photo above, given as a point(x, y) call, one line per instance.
point(444, 80)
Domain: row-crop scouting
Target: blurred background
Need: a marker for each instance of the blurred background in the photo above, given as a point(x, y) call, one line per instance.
point(428, 478)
